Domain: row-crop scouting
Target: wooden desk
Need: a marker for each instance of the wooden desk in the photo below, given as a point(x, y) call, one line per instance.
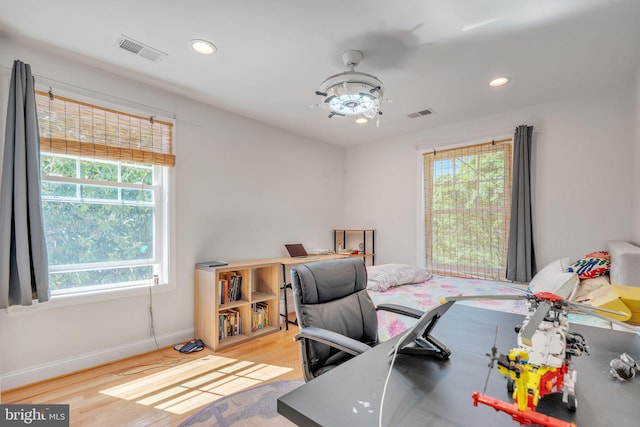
point(288, 262)
point(424, 391)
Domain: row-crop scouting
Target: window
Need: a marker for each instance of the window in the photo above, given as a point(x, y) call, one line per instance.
point(104, 179)
point(467, 199)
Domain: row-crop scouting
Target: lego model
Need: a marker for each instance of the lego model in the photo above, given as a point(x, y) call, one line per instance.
point(541, 364)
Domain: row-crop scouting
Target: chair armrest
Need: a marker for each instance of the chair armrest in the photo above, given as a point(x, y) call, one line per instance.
point(333, 339)
point(401, 309)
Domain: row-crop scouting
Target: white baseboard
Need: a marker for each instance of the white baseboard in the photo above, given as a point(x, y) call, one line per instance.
point(45, 371)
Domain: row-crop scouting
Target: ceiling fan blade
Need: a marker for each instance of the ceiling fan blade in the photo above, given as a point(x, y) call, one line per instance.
point(527, 332)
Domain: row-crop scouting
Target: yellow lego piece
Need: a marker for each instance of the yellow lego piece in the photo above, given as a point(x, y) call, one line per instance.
point(630, 297)
point(610, 298)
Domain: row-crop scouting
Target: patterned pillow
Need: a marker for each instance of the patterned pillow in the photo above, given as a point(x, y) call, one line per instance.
point(599, 254)
point(592, 265)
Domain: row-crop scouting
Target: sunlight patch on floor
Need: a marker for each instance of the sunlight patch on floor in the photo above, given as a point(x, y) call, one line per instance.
point(188, 386)
point(264, 372)
point(140, 387)
point(230, 386)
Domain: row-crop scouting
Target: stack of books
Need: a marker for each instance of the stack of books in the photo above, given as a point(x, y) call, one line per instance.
point(230, 324)
point(230, 287)
point(260, 316)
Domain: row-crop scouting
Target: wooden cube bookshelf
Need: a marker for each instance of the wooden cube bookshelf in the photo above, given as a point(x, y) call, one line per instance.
point(258, 301)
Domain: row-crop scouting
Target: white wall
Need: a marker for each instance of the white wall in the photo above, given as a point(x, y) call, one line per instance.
point(635, 235)
point(233, 200)
point(581, 180)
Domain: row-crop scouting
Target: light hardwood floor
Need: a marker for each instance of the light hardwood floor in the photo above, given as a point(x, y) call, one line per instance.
point(164, 387)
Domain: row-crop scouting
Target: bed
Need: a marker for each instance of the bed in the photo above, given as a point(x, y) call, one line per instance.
point(425, 295)
point(416, 287)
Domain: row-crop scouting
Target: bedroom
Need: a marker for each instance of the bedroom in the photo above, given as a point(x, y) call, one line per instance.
point(585, 185)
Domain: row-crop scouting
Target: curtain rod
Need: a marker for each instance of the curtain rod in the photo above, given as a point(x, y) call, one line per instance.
point(171, 114)
point(463, 145)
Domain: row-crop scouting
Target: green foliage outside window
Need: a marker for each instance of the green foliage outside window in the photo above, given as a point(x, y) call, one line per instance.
point(467, 208)
point(93, 223)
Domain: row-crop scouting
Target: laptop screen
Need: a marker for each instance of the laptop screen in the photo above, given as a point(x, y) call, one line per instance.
point(296, 250)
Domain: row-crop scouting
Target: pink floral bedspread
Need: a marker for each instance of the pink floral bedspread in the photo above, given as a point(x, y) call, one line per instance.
point(426, 295)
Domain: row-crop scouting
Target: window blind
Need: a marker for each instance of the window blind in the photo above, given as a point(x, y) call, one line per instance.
point(467, 210)
point(68, 126)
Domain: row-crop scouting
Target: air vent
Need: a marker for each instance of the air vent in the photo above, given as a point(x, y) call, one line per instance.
point(425, 112)
point(140, 49)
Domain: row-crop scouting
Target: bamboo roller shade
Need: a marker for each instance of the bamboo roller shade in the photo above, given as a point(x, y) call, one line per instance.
point(464, 238)
point(72, 127)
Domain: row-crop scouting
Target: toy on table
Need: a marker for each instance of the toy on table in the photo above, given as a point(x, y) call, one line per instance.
point(541, 363)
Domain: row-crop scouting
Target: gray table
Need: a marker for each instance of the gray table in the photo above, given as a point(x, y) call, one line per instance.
point(423, 391)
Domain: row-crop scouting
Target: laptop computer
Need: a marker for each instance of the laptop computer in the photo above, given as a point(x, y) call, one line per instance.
point(296, 250)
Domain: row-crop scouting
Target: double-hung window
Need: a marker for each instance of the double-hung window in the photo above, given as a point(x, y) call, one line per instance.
point(104, 180)
point(467, 199)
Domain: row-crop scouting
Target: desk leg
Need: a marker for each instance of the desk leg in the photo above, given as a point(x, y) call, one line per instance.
point(284, 288)
point(284, 295)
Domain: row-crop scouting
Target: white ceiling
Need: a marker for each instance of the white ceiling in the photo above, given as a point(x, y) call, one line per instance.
point(273, 54)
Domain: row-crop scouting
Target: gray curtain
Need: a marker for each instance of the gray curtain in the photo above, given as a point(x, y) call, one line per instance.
point(24, 267)
point(521, 262)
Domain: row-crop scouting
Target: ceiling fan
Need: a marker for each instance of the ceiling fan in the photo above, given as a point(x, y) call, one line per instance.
point(352, 93)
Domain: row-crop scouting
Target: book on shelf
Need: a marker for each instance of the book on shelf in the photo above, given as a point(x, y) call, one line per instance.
point(259, 316)
point(235, 287)
point(230, 323)
point(230, 287)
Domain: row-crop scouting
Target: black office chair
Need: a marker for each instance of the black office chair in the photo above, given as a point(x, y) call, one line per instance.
point(336, 315)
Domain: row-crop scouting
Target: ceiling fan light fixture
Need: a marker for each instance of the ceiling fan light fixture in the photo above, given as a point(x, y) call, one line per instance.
point(352, 93)
point(203, 47)
point(500, 81)
point(351, 99)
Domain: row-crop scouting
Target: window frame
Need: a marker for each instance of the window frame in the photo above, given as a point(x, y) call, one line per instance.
point(422, 220)
point(162, 187)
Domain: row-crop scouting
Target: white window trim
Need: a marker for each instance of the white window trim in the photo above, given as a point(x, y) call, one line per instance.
point(96, 296)
point(142, 290)
point(421, 242)
point(167, 210)
point(420, 226)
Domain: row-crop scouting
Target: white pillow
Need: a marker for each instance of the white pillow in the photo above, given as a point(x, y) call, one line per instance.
point(385, 276)
point(554, 278)
point(625, 263)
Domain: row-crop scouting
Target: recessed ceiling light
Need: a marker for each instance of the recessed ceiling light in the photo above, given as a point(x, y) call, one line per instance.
point(202, 46)
point(361, 120)
point(500, 81)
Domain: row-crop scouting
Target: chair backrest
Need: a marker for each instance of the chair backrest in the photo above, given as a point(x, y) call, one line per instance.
point(332, 295)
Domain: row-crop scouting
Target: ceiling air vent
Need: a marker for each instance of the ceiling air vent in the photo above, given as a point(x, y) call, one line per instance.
point(140, 49)
point(425, 112)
